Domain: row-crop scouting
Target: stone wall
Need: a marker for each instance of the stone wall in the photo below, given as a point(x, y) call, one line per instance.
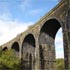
point(40, 39)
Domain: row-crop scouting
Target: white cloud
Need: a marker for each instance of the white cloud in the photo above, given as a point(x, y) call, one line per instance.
point(60, 55)
point(34, 11)
point(24, 4)
point(9, 29)
point(59, 45)
point(5, 16)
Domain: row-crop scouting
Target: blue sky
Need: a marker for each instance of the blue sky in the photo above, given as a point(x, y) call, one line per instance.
point(26, 10)
point(17, 15)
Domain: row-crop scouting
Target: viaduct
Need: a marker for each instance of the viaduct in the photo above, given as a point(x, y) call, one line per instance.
point(36, 44)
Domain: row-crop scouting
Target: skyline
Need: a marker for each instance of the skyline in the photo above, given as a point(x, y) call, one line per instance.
point(16, 16)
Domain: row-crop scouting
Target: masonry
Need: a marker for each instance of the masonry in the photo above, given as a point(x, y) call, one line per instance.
point(36, 44)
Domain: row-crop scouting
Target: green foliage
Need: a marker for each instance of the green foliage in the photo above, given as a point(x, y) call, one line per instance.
point(0, 50)
point(8, 60)
point(60, 64)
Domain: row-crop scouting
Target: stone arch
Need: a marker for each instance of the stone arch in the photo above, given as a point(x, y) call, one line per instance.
point(15, 46)
point(46, 43)
point(50, 27)
point(28, 47)
point(4, 49)
point(28, 40)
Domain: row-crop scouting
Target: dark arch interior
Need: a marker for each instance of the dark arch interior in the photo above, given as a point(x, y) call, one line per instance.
point(28, 49)
point(48, 31)
point(51, 27)
point(46, 41)
point(4, 49)
point(30, 40)
point(15, 46)
point(28, 45)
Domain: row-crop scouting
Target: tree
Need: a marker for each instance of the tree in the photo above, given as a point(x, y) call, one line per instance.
point(9, 61)
point(60, 64)
point(0, 50)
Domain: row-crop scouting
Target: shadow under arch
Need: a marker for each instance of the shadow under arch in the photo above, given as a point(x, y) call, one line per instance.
point(46, 43)
point(15, 46)
point(28, 51)
point(29, 40)
point(4, 49)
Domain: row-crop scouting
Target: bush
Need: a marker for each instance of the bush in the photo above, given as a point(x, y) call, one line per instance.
point(60, 64)
point(8, 60)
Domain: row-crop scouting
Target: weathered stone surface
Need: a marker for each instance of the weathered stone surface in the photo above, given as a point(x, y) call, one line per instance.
point(36, 44)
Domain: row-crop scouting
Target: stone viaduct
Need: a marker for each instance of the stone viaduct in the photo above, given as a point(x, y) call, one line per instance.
point(36, 44)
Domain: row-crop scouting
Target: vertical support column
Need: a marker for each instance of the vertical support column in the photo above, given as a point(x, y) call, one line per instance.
point(37, 58)
point(69, 33)
point(51, 52)
point(30, 61)
point(47, 57)
point(67, 48)
point(52, 57)
point(44, 57)
point(33, 62)
point(66, 37)
point(66, 58)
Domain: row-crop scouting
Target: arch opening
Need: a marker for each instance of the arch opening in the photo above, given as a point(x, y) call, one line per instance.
point(47, 43)
point(28, 47)
point(15, 46)
point(28, 44)
point(49, 29)
point(4, 49)
point(59, 44)
point(30, 40)
point(59, 49)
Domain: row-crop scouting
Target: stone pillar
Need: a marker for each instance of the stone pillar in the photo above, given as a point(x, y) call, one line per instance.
point(37, 58)
point(66, 58)
point(33, 62)
point(51, 53)
point(44, 57)
point(52, 60)
point(47, 61)
point(30, 61)
point(66, 39)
